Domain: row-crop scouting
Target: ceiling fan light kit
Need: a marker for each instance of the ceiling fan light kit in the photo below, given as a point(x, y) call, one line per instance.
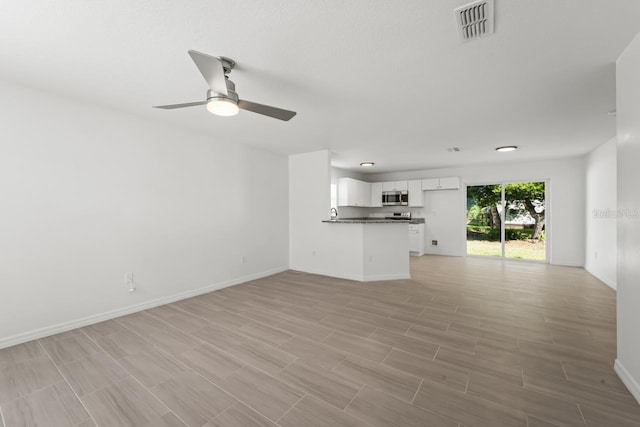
point(222, 99)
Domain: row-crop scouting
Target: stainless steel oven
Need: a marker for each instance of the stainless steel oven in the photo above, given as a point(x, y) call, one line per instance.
point(395, 198)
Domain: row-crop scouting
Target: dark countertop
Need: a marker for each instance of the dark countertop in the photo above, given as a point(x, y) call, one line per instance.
point(374, 221)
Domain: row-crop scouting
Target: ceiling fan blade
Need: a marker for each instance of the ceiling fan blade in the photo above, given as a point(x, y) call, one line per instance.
point(266, 110)
point(211, 69)
point(172, 106)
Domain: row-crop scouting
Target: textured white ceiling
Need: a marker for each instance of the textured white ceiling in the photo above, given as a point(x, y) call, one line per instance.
point(371, 80)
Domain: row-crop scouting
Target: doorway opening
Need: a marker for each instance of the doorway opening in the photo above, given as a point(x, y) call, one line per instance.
point(507, 220)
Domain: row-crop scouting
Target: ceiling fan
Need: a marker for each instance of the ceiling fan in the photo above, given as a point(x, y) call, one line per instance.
point(222, 98)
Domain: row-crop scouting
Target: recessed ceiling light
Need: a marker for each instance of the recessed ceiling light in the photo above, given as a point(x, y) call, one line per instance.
point(507, 148)
point(367, 164)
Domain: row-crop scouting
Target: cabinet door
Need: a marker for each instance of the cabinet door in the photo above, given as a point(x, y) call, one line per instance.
point(364, 196)
point(348, 192)
point(376, 194)
point(430, 184)
point(415, 192)
point(401, 186)
point(414, 241)
point(343, 190)
point(451, 183)
point(388, 186)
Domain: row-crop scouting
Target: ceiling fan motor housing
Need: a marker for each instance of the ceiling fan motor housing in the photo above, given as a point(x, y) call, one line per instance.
point(231, 90)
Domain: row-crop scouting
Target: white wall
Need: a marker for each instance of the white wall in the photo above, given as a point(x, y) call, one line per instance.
point(87, 194)
point(309, 179)
point(445, 211)
point(600, 244)
point(628, 120)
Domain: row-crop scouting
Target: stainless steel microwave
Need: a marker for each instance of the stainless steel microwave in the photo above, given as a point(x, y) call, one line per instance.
point(395, 198)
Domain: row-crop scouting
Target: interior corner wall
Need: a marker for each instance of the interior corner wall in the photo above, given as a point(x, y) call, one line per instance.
point(628, 300)
point(88, 194)
point(601, 218)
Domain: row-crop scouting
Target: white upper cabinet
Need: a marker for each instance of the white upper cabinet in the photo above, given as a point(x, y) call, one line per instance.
point(416, 198)
point(430, 183)
point(353, 192)
point(451, 183)
point(376, 194)
point(395, 186)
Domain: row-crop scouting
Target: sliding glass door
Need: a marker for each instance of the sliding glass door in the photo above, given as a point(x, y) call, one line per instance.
point(507, 220)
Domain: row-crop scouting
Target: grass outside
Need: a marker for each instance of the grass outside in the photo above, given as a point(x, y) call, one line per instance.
point(522, 249)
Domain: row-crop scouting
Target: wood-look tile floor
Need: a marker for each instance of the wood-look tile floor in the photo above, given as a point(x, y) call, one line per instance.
point(465, 342)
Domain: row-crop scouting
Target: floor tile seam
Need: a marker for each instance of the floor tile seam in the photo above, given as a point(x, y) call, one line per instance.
point(436, 353)
point(597, 357)
point(226, 409)
point(427, 410)
point(37, 390)
point(564, 371)
point(67, 381)
point(189, 369)
point(387, 367)
point(255, 409)
point(289, 410)
point(519, 409)
point(242, 332)
point(344, 410)
point(369, 340)
point(507, 409)
point(417, 391)
point(191, 335)
point(396, 348)
point(124, 369)
point(573, 399)
point(584, 420)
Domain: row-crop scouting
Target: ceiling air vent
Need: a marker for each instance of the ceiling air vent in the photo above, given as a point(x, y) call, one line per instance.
point(475, 19)
point(454, 149)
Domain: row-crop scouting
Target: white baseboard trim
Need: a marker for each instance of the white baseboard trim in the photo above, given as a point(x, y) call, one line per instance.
point(627, 379)
point(355, 277)
point(607, 282)
point(107, 315)
point(385, 277)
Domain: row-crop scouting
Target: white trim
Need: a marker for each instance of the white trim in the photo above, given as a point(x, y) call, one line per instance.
point(607, 282)
point(107, 315)
point(357, 277)
point(627, 379)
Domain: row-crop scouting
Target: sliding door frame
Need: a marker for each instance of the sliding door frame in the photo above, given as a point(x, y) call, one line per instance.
point(547, 219)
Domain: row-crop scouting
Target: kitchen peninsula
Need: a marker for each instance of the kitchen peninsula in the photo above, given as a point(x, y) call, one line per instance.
point(371, 248)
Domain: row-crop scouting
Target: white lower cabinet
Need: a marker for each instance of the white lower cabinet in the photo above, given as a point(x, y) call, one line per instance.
point(416, 239)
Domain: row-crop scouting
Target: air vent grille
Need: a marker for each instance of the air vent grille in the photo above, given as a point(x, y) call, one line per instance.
point(454, 149)
point(475, 19)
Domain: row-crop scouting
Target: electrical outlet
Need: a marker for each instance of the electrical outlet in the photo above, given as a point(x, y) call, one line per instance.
point(595, 255)
point(434, 243)
point(313, 253)
point(128, 279)
point(370, 258)
point(243, 259)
